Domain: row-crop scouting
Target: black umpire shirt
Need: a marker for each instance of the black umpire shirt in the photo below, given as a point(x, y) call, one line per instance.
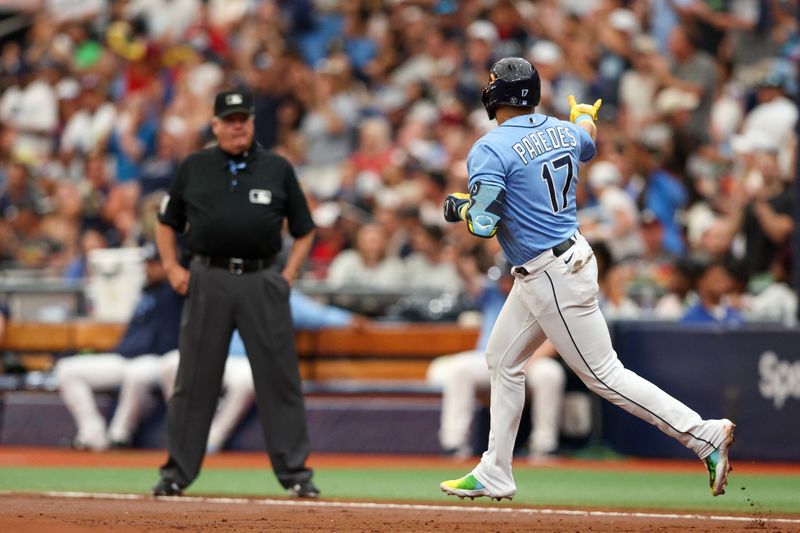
point(234, 206)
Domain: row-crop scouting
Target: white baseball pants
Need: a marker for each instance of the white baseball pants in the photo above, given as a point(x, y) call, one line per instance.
point(553, 301)
point(81, 375)
point(462, 375)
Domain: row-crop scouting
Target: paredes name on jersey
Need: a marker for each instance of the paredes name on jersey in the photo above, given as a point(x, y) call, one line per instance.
point(542, 141)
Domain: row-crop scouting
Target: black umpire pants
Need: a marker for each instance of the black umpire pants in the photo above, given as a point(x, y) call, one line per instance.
point(257, 304)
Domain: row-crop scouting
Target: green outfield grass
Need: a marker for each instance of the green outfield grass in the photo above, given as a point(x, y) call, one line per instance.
point(765, 494)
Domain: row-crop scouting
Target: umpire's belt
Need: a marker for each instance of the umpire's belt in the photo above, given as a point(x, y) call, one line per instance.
point(235, 265)
point(557, 250)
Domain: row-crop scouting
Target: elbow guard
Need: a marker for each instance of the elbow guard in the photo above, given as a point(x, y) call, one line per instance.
point(486, 205)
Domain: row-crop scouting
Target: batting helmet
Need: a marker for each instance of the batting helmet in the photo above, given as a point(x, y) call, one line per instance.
point(512, 82)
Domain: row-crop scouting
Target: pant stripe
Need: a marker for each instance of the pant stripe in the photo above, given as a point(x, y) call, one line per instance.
point(558, 307)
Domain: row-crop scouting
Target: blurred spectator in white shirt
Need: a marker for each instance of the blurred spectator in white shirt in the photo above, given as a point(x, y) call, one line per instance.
point(638, 87)
point(31, 108)
point(92, 124)
point(774, 118)
point(367, 265)
point(432, 264)
point(333, 111)
point(166, 20)
point(777, 302)
point(615, 218)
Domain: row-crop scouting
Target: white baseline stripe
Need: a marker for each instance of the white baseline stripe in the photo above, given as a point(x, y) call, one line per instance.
point(413, 507)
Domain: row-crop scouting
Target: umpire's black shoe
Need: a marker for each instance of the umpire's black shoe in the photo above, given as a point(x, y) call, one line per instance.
point(304, 489)
point(166, 487)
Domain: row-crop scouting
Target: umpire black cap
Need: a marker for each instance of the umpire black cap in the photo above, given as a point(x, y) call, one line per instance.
point(230, 102)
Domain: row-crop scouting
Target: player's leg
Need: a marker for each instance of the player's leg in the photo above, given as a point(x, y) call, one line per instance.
point(141, 374)
point(237, 398)
point(568, 311)
point(515, 336)
point(167, 372)
point(546, 379)
point(463, 375)
point(78, 377)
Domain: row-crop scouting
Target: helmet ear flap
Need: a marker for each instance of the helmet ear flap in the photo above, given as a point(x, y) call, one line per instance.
point(488, 104)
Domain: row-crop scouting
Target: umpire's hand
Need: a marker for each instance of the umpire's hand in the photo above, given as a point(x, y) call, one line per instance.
point(178, 278)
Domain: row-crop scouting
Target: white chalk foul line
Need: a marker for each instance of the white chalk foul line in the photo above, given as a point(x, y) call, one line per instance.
point(416, 507)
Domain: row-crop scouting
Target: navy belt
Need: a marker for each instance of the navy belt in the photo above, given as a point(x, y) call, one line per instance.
point(557, 250)
point(235, 265)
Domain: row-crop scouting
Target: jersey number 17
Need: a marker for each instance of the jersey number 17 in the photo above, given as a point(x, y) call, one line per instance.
point(564, 161)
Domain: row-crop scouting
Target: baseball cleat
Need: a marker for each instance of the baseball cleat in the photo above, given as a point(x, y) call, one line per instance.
point(718, 464)
point(469, 487)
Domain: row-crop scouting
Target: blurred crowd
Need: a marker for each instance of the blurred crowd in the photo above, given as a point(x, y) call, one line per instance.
point(377, 103)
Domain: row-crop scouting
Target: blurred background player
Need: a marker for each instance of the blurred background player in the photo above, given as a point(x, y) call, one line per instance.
point(134, 367)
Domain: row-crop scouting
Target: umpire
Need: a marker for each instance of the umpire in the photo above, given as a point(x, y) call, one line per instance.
point(230, 200)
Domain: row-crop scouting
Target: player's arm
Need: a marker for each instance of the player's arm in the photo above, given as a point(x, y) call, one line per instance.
point(483, 207)
point(455, 206)
point(585, 115)
point(480, 209)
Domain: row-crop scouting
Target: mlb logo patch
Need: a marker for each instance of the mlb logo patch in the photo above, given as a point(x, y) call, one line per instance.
point(260, 196)
point(234, 99)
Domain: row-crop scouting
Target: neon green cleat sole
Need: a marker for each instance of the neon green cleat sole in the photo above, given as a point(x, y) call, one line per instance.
point(469, 487)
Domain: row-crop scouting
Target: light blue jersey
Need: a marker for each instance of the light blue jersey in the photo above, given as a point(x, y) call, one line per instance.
point(534, 159)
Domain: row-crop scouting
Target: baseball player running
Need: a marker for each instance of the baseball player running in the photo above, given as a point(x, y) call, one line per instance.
point(522, 179)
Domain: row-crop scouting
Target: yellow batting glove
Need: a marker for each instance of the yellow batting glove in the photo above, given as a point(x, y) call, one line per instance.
point(579, 112)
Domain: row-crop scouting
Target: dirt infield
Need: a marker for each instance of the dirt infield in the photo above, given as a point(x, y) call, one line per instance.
point(137, 513)
point(40, 514)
